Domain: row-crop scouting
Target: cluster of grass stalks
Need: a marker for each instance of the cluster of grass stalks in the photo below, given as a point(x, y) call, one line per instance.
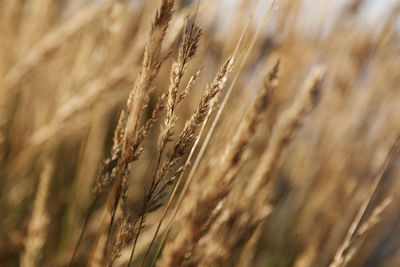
point(175, 133)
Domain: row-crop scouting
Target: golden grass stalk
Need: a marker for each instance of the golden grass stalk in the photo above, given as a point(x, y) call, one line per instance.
point(126, 229)
point(37, 229)
point(111, 174)
point(375, 216)
point(187, 50)
point(128, 134)
point(340, 258)
point(369, 223)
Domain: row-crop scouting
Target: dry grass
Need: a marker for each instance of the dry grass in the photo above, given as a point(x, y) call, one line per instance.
point(184, 133)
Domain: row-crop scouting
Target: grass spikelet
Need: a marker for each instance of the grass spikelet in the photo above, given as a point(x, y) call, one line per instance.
point(375, 216)
point(187, 50)
point(126, 229)
point(186, 137)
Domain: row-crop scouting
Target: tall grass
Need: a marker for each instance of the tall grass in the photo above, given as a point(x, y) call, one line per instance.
point(184, 133)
